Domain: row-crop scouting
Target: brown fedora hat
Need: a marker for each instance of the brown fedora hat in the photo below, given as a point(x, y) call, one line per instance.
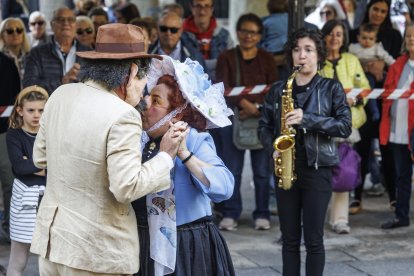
point(118, 41)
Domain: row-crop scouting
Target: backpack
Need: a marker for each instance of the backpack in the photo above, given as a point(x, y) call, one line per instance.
point(346, 176)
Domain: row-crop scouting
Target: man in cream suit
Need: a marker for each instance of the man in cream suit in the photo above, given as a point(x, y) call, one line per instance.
point(89, 141)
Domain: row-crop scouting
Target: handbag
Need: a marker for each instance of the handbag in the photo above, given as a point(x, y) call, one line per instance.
point(244, 132)
point(346, 176)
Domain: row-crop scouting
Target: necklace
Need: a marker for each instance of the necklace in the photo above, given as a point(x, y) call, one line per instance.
point(29, 134)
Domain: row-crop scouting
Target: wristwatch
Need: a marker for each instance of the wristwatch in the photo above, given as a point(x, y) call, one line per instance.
point(259, 107)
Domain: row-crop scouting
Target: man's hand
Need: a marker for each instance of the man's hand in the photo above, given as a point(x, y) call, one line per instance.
point(376, 68)
point(134, 91)
point(134, 87)
point(294, 117)
point(173, 137)
point(72, 75)
point(247, 110)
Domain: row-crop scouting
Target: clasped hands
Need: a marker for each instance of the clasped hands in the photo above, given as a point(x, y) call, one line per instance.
point(174, 138)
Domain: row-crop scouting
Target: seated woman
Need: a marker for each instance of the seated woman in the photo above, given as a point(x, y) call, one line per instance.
point(176, 232)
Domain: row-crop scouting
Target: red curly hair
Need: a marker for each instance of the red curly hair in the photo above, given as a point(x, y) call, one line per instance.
point(192, 116)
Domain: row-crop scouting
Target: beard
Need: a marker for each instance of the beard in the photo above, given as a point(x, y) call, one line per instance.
point(142, 106)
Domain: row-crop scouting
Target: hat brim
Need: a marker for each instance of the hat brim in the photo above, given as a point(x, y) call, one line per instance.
point(103, 55)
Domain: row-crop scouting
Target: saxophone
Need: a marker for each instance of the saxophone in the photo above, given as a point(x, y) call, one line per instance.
point(285, 143)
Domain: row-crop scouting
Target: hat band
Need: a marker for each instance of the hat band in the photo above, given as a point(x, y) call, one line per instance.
point(120, 47)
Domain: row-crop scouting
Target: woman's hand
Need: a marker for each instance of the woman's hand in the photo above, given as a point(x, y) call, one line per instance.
point(247, 110)
point(41, 173)
point(294, 117)
point(183, 151)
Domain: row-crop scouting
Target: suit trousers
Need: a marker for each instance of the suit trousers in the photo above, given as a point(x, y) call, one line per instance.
point(48, 268)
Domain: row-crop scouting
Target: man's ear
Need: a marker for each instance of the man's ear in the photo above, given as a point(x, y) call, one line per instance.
point(133, 72)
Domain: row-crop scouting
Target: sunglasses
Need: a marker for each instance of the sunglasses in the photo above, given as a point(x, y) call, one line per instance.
point(165, 29)
point(40, 23)
point(84, 31)
point(12, 31)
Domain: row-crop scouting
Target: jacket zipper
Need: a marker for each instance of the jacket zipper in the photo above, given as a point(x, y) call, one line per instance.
point(317, 134)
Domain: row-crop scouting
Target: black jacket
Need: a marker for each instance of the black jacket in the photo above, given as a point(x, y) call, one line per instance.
point(326, 114)
point(43, 67)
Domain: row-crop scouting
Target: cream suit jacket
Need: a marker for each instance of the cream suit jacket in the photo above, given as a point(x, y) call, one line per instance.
point(89, 141)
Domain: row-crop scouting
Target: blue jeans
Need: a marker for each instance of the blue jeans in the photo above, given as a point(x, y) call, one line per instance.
point(403, 174)
point(233, 158)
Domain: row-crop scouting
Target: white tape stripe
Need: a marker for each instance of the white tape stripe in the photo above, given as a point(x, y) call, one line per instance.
point(258, 89)
point(396, 94)
point(375, 93)
point(236, 91)
point(354, 92)
point(7, 112)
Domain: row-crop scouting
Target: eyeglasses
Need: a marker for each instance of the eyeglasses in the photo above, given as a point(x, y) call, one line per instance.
point(325, 13)
point(62, 20)
point(165, 29)
point(201, 7)
point(248, 32)
point(84, 31)
point(12, 31)
point(40, 23)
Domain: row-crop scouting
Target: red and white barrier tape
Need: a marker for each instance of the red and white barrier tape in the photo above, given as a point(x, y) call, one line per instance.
point(391, 94)
point(5, 111)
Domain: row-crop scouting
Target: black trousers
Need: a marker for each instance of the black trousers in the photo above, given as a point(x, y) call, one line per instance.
point(305, 203)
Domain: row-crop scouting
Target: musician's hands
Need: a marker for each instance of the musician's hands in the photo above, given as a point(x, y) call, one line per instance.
point(247, 110)
point(275, 154)
point(294, 117)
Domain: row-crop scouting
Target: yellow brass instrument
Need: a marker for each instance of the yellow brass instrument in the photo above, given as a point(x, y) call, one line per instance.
point(285, 143)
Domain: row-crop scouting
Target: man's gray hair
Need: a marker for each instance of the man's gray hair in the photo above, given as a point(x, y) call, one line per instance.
point(111, 73)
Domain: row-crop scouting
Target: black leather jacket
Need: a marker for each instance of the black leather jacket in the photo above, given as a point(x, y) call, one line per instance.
point(326, 114)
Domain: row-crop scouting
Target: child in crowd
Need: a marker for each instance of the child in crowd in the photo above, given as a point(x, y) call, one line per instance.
point(29, 182)
point(368, 49)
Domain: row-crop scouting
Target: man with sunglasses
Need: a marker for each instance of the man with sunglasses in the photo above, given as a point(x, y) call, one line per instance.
point(37, 26)
point(171, 42)
point(55, 63)
point(212, 38)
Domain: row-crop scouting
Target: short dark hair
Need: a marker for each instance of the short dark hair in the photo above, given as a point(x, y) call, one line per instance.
point(369, 28)
point(98, 11)
point(277, 6)
point(330, 25)
point(129, 11)
point(250, 17)
point(111, 73)
point(314, 35)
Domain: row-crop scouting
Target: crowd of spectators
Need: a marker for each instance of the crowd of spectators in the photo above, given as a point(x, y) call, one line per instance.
point(367, 47)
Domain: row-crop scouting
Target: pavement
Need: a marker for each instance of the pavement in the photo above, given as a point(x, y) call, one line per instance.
point(367, 250)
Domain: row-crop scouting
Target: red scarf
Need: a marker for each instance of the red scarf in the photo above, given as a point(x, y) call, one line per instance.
point(203, 38)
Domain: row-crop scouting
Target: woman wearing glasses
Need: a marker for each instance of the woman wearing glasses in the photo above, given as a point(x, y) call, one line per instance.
point(14, 41)
point(320, 113)
point(245, 65)
point(85, 31)
point(37, 26)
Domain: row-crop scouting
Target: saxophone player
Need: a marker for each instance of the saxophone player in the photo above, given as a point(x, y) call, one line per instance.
point(320, 112)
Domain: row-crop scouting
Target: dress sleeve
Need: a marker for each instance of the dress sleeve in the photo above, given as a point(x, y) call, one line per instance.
point(220, 178)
